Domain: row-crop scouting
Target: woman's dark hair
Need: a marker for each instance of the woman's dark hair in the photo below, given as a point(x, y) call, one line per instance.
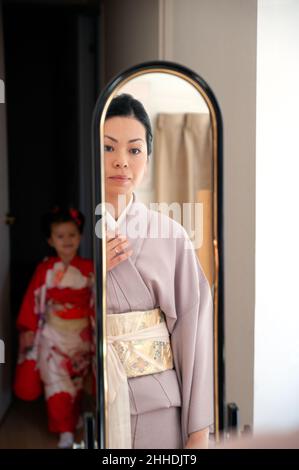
point(59, 215)
point(126, 105)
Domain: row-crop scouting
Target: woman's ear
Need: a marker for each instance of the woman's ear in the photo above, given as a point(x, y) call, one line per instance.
point(49, 240)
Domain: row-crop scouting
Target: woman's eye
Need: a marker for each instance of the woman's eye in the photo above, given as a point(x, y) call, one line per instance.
point(108, 148)
point(135, 151)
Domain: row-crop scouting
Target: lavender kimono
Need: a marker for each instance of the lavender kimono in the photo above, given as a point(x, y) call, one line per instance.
point(166, 407)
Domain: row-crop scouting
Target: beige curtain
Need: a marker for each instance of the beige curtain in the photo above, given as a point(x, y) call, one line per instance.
point(183, 167)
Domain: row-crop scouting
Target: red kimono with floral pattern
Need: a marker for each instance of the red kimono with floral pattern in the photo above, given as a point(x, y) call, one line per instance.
point(59, 308)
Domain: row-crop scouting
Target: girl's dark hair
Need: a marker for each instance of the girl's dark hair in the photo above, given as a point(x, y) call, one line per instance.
point(59, 215)
point(127, 105)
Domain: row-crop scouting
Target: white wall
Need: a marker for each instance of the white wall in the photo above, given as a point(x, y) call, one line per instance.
point(276, 389)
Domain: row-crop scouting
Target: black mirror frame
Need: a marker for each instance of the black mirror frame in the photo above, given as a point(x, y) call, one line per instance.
point(101, 103)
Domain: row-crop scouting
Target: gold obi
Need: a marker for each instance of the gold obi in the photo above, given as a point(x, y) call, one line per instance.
point(73, 325)
point(141, 340)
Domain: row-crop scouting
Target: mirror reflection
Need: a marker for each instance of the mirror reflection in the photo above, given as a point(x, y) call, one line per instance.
point(158, 178)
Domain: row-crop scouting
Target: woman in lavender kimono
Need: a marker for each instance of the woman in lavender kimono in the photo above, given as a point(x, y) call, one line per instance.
point(171, 404)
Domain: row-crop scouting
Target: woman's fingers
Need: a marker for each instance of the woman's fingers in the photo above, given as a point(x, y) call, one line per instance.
point(117, 249)
point(113, 241)
point(119, 259)
point(116, 243)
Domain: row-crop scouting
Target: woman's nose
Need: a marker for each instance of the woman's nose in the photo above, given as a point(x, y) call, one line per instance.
point(121, 160)
point(120, 164)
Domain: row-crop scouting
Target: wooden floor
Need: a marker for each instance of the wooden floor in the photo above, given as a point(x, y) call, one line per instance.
point(25, 427)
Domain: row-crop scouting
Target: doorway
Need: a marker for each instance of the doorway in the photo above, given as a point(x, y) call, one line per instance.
point(51, 78)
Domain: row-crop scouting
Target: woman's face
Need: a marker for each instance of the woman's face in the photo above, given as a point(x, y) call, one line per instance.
point(125, 154)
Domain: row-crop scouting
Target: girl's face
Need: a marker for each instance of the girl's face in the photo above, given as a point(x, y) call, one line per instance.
point(65, 239)
point(125, 154)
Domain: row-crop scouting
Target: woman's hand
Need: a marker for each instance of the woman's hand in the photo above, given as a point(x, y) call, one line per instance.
point(26, 340)
point(198, 440)
point(116, 250)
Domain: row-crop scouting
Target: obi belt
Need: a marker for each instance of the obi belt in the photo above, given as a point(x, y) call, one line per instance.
point(138, 344)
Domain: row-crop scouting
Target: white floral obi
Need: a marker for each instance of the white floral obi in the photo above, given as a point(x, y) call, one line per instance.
point(138, 344)
point(141, 340)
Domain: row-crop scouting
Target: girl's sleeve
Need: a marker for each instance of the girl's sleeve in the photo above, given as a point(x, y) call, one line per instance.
point(192, 341)
point(30, 308)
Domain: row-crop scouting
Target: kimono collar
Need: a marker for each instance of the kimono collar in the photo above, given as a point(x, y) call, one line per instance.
point(111, 222)
point(133, 221)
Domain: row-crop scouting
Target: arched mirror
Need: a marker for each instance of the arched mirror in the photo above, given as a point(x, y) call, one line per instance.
point(157, 155)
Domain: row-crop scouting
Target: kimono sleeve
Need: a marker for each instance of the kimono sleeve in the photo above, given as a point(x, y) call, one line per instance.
point(31, 305)
point(192, 340)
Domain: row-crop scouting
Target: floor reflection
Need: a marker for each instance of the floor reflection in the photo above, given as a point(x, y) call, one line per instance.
point(25, 427)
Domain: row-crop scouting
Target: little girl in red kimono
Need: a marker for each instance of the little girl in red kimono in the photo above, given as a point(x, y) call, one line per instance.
point(55, 326)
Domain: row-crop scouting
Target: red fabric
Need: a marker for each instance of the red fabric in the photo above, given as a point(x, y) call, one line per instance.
point(63, 412)
point(79, 298)
point(74, 313)
point(27, 383)
point(76, 297)
point(28, 315)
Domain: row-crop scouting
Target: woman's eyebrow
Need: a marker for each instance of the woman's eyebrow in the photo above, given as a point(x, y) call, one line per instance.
point(111, 138)
point(135, 140)
point(130, 141)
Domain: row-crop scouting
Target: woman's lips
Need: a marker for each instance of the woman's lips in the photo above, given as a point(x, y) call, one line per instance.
point(121, 179)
